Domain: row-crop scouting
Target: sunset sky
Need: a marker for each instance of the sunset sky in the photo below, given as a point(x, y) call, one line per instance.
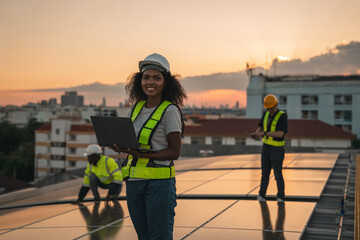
point(48, 44)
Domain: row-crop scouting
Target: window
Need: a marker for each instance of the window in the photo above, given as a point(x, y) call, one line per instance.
point(282, 100)
point(72, 150)
point(338, 115)
point(58, 157)
point(72, 137)
point(216, 140)
point(304, 114)
point(57, 131)
point(72, 163)
point(309, 100)
point(313, 114)
point(198, 140)
point(347, 116)
point(342, 99)
point(113, 113)
point(239, 141)
point(309, 114)
point(343, 115)
point(57, 144)
point(346, 127)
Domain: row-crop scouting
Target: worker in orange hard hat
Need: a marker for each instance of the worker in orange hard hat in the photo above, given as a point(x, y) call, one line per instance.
point(270, 101)
point(272, 129)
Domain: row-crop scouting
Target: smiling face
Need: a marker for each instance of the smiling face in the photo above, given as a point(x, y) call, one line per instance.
point(152, 83)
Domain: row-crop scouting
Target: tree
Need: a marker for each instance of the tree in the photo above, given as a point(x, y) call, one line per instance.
point(355, 143)
point(10, 138)
point(17, 150)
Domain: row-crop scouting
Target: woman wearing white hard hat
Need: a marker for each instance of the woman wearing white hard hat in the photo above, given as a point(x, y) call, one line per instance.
point(158, 123)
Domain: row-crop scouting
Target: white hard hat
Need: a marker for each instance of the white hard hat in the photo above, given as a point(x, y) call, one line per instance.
point(93, 149)
point(154, 60)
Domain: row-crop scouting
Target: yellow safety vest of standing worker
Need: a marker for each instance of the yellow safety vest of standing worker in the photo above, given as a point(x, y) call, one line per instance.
point(269, 140)
point(145, 167)
point(106, 170)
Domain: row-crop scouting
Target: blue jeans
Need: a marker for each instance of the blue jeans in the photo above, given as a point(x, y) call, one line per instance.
point(151, 206)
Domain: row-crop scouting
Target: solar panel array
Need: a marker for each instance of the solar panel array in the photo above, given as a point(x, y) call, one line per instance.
point(221, 204)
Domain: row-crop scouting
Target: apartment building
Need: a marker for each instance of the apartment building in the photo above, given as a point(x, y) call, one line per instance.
point(331, 99)
point(60, 146)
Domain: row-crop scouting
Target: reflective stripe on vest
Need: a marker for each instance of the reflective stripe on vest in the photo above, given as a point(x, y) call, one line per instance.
point(106, 179)
point(144, 167)
point(270, 140)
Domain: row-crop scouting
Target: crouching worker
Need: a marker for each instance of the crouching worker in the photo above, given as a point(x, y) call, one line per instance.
point(101, 171)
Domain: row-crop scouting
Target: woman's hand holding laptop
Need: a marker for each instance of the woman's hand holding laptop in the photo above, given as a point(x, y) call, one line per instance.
point(133, 152)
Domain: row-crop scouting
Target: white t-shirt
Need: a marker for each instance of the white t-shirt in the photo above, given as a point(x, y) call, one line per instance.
point(170, 122)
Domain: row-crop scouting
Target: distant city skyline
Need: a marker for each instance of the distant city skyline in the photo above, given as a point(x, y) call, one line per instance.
point(200, 99)
point(67, 43)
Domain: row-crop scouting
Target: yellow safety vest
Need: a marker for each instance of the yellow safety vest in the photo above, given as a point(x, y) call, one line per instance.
point(269, 140)
point(145, 167)
point(106, 170)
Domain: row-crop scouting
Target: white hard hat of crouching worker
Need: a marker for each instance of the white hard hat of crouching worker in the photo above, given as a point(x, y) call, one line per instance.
point(154, 61)
point(93, 149)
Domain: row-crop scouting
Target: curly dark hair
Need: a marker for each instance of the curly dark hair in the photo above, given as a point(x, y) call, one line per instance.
point(173, 91)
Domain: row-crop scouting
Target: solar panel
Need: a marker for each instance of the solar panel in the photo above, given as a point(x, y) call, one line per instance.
point(215, 215)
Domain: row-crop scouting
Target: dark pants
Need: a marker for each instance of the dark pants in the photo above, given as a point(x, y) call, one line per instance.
point(272, 157)
point(151, 206)
point(114, 188)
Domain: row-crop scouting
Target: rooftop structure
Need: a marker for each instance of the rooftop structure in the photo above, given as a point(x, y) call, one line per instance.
point(72, 99)
point(331, 99)
point(231, 136)
point(216, 200)
point(60, 145)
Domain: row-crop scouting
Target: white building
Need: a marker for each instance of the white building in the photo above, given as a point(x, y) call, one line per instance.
point(20, 116)
point(61, 144)
point(17, 116)
point(331, 99)
point(232, 136)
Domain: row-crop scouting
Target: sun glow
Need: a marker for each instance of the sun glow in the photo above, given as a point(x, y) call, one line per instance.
point(283, 58)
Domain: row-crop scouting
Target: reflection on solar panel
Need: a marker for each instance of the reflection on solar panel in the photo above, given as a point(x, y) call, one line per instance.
point(216, 200)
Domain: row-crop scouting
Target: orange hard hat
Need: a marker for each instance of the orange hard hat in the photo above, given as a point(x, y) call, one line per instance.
point(270, 101)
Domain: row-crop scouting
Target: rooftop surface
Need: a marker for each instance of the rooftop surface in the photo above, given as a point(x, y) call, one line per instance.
point(298, 128)
point(291, 78)
point(216, 200)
